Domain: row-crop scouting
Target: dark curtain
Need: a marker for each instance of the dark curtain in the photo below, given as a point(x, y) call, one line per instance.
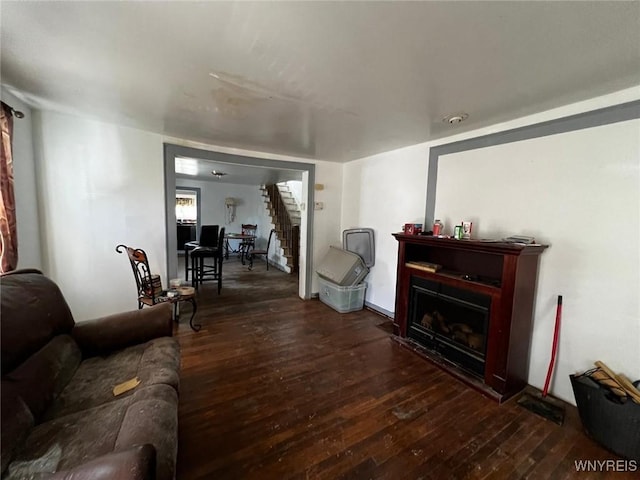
point(9, 240)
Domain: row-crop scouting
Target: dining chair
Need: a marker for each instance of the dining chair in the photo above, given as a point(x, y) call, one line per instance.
point(247, 243)
point(200, 270)
point(208, 238)
point(253, 252)
point(209, 235)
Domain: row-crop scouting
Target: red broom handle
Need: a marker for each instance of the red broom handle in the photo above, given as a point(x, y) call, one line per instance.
point(554, 348)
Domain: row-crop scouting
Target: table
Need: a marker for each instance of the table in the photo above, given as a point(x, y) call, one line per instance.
point(184, 294)
point(240, 251)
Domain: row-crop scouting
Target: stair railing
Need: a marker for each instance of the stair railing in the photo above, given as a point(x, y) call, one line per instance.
point(288, 233)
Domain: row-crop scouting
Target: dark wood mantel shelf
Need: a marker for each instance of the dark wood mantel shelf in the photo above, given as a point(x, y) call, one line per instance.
point(506, 273)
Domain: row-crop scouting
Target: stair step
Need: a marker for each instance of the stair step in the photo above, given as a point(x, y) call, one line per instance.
point(272, 203)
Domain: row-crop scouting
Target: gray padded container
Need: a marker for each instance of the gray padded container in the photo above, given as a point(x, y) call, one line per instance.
point(342, 268)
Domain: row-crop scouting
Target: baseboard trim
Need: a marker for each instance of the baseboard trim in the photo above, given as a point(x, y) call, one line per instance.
point(379, 310)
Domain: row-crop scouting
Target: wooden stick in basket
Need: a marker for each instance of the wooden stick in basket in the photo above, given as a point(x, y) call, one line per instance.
point(602, 378)
point(620, 379)
point(629, 388)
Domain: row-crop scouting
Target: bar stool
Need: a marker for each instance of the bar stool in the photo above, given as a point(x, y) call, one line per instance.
point(200, 271)
point(208, 238)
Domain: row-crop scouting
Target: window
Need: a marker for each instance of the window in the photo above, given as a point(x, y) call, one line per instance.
point(186, 207)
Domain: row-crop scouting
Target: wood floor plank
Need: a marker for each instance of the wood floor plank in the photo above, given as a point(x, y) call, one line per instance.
point(277, 387)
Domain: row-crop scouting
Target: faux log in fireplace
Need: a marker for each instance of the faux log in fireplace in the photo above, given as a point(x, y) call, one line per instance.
point(467, 306)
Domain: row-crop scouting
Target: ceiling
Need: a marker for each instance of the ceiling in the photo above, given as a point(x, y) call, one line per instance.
point(328, 80)
point(200, 169)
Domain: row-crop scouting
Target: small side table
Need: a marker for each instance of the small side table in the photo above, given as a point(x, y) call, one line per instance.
point(186, 294)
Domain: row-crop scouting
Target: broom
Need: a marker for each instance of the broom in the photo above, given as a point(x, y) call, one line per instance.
point(541, 405)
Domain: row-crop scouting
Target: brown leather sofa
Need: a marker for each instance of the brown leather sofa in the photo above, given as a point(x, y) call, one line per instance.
point(60, 418)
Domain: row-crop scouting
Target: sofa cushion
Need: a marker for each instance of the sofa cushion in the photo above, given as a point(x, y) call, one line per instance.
point(33, 311)
point(149, 415)
point(136, 463)
point(154, 362)
point(42, 377)
point(153, 418)
point(69, 441)
point(16, 422)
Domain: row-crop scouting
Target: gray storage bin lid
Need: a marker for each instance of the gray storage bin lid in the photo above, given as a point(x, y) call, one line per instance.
point(342, 267)
point(360, 241)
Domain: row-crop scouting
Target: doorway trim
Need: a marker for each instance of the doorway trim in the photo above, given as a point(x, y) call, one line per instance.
point(171, 151)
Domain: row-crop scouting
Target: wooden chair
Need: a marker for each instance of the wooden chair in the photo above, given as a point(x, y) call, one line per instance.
point(200, 271)
point(149, 286)
point(248, 243)
point(253, 252)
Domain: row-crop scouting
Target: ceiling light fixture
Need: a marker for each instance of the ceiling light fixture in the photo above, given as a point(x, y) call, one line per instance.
point(217, 174)
point(455, 118)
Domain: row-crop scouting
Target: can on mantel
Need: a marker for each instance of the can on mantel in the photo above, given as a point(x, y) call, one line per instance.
point(438, 227)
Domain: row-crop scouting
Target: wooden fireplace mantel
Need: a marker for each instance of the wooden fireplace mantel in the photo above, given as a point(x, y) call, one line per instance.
point(505, 272)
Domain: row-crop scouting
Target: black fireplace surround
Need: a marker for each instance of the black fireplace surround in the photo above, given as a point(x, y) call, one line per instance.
point(451, 322)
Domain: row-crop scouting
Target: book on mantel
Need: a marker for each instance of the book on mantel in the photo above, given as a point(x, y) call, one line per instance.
point(426, 266)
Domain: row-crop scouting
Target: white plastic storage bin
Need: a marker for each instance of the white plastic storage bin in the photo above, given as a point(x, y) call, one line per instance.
point(342, 299)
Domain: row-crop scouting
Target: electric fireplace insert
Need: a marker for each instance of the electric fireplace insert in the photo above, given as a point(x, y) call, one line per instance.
point(450, 322)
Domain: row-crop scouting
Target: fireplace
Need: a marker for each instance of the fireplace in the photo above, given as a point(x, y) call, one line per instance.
point(450, 322)
point(467, 306)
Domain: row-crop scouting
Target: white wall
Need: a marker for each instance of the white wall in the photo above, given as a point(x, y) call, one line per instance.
point(326, 222)
point(100, 185)
point(579, 193)
point(295, 187)
point(25, 186)
point(384, 192)
point(387, 190)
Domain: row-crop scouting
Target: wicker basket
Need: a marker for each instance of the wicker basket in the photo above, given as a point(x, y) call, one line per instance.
point(614, 425)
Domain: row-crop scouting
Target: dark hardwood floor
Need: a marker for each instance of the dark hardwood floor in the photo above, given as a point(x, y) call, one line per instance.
point(274, 387)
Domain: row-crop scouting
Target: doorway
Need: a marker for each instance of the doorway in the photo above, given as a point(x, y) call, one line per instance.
point(305, 170)
point(188, 204)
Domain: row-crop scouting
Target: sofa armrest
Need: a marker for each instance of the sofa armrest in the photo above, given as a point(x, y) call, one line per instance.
point(114, 332)
point(136, 463)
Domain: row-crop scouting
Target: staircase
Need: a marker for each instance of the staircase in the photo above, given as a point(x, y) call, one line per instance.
point(285, 216)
